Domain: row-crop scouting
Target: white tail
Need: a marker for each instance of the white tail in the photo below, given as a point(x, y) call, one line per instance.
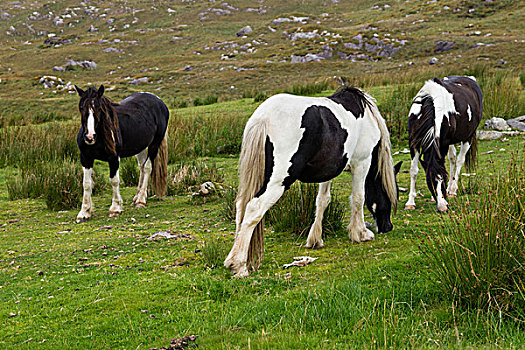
point(251, 178)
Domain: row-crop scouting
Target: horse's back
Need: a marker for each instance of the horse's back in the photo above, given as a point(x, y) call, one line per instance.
point(143, 120)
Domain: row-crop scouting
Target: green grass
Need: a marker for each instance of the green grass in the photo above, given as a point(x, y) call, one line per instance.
point(97, 284)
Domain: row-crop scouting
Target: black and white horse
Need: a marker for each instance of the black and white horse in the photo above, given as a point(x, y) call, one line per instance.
point(312, 139)
point(135, 126)
point(444, 112)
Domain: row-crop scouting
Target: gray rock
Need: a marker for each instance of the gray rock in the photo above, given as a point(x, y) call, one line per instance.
point(303, 35)
point(92, 29)
point(4, 16)
point(352, 46)
point(59, 69)
point(138, 80)
point(443, 46)
point(433, 60)
point(307, 58)
point(517, 123)
point(244, 31)
point(86, 64)
point(489, 135)
point(496, 124)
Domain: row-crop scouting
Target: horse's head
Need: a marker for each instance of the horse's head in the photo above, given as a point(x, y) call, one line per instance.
point(437, 177)
point(89, 106)
point(377, 200)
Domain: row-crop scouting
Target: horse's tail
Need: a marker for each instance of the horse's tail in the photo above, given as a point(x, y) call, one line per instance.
point(471, 156)
point(385, 163)
point(251, 178)
point(159, 175)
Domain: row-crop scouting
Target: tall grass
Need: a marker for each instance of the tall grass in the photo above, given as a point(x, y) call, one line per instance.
point(58, 182)
point(187, 177)
point(479, 257)
point(306, 89)
point(502, 95)
point(295, 210)
point(196, 136)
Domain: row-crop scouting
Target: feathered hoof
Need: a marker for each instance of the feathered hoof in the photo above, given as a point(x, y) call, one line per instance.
point(442, 209)
point(237, 269)
point(410, 207)
point(81, 220)
point(314, 245)
point(140, 205)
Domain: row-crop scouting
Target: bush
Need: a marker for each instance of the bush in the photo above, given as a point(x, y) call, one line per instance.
point(208, 100)
point(214, 251)
point(187, 177)
point(295, 210)
point(479, 257)
point(129, 171)
point(59, 183)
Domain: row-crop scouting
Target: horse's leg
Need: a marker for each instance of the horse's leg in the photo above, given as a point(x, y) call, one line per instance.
point(114, 179)
point(142, 194)
point(453, 188)
point(411, 203)
point(255, 210)
point(315, 239)
point(87, 202)
point(452, 184)
point(357, 230)
point(141, 159)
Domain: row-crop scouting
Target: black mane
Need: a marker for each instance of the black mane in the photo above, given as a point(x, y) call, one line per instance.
point(352, 99)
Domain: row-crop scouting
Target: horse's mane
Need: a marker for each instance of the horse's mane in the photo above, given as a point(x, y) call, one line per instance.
point(352, 99)
point(108, 118)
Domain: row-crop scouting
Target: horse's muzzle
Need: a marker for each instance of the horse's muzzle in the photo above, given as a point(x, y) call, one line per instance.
point(90, 140)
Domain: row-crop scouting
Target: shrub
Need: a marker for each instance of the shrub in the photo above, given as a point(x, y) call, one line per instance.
point(187, 177)
point(214, 251)
point(129, 171)
point(479, 257)
point(59, 183)
point(295, 210)
point(208, 100)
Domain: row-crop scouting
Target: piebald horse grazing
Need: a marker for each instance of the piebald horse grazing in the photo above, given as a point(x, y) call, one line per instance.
point(443, 113)
point(135, 126)
point(312, 139)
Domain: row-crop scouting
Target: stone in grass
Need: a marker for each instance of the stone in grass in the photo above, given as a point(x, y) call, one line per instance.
point(180, 343)
point(433, 60)
point(496, 124)
point(517, 123)
point(244, 31)
point(489, 135)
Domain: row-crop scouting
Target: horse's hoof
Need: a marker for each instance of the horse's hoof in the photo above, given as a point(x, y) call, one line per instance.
point(443, 209)
point(410, 207)
point(140, 205)
point(451, 195)
point(81, 220)
point(112, 215)
point(314, 245)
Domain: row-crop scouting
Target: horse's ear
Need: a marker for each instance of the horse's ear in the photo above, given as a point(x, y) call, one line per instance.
point(397, 167)
point(100, 91)
point(79, 91)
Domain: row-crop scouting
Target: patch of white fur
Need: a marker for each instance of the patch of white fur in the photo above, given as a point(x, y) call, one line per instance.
point(469, 113)
point(415, 109)
point(87, 202)
point(90, 124)
point(472, 77)
point(442, 204)
point(443, 103)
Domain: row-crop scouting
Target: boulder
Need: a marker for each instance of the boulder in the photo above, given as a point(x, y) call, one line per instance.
point(517, 123)
point(443, 46)
point(496, 124)
point(433, 60)
point(244, 31)
point(489, 135)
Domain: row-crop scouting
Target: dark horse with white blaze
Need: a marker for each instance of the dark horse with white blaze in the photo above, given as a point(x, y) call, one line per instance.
point(444, 112)
point(110, 131)
point(312, 139)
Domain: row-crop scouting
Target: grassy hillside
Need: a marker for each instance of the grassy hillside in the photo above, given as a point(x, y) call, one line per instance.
point(189, 49)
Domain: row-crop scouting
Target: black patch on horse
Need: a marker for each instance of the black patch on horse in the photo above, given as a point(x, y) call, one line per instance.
point(320, 156)
point(268, 165)
point(352, 99)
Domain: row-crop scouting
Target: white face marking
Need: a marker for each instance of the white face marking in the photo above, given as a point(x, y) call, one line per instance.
point(374, 206)
point(90, 125)
point(469, 113)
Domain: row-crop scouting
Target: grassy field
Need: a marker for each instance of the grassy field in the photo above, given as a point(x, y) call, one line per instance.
point(105, 284)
